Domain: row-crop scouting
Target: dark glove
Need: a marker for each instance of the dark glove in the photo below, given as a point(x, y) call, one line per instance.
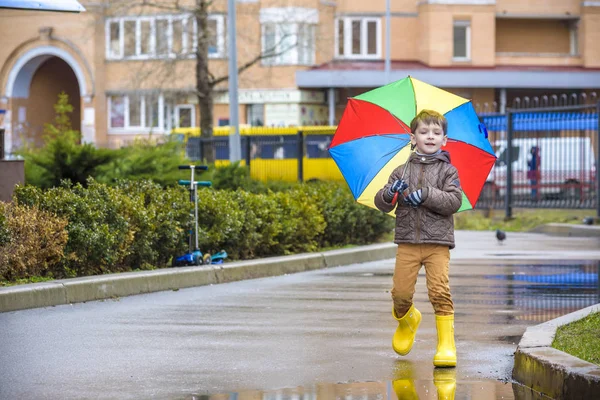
point(415, 198)
point(398, 186)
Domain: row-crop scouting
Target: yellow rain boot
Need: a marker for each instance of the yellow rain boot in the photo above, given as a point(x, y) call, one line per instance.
point(444, 380)
point(404, 337)
point(403, 383)
point(446, 349)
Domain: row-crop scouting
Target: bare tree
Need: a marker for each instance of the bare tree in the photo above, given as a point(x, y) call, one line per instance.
point(205, 81)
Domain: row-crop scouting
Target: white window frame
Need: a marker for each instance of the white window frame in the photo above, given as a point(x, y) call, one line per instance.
point(188, 49)
point(127, 115)
point(467, 25)
point(292, 56)
point(190, 107)
point(574, 39)
point(347, 39)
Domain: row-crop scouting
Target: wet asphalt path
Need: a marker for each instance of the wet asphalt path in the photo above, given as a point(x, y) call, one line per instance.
point(321, 334)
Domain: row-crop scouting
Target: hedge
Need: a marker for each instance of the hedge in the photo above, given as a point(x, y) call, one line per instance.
point(141, 225)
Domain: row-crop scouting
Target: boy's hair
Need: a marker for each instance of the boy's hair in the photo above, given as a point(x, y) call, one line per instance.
point(429, 117)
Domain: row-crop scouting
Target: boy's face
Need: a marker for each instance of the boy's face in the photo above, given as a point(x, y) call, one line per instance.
point(428, 138)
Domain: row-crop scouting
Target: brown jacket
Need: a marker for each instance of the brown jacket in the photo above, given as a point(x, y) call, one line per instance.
point(432, 221)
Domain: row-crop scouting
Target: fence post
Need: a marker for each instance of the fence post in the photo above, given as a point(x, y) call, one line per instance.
point(1, 143)
point(300, 156)
point(598, 164)
point(248, 149)
point(509, 177)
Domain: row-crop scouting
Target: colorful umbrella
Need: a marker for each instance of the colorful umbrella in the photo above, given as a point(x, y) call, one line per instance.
point(372, 139)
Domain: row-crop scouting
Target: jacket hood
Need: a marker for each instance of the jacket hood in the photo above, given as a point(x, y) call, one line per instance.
point(427, 159)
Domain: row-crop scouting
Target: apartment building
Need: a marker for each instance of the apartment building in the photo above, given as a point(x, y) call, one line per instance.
point(130, 71)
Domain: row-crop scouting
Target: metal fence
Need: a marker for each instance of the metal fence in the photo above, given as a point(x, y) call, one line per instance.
point(547, 158)
point(553, 150)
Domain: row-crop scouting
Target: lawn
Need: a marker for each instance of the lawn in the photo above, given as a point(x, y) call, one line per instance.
point(523, 219)
point(580, 338)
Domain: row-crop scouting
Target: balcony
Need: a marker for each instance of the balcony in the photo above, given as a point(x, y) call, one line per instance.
point(544, 42)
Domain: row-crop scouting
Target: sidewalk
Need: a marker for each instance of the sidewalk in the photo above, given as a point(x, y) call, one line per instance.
point(471, 245)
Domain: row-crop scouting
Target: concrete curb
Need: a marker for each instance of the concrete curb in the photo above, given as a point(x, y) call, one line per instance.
point(568, 230)
point(91, 288)
point(552, 372)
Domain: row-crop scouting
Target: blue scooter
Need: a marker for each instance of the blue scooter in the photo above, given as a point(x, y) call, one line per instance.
point(194, 256)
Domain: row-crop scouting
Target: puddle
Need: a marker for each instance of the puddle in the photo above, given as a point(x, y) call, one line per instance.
point(541, 292)
point(443, 386)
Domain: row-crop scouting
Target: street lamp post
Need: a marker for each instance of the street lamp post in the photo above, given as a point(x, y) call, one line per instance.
point(235, 146)
point(388, 39)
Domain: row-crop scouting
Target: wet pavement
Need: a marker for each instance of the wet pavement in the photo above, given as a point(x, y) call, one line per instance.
point(323, 334)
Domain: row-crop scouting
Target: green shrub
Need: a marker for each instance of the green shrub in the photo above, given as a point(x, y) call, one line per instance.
point(159, 218)
point(62, 157)
point(347, 222)
point(32, 242)
point(302, 222)
point(145, 160)
point(99, 234)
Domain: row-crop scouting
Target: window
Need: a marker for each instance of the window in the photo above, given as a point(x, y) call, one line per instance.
point(117, 111)
point(161, 36)
point(184, 116)
point(255, 115)
point(306, 44)
point(358, 37)
point(114, 39)
point(574, 38)
point(462, 40)
point(137, 112)
point(289, 43)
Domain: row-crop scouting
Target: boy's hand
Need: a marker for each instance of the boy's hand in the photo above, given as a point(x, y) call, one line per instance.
point(415, 198)
point(397, 187)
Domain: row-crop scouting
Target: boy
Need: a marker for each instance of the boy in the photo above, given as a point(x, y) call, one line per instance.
point(425, 196)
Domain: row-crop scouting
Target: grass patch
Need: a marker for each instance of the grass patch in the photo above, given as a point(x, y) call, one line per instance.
point(523, 219)
point(580, 338)
point(33, 279)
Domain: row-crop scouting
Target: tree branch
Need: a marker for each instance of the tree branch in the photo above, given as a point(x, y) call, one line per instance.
point(268, 54)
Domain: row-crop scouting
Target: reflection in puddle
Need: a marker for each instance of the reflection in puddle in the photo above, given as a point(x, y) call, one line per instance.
point(442, 386)
point(541, 292)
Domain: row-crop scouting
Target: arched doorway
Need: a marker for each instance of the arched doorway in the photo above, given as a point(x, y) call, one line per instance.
point(36, 90)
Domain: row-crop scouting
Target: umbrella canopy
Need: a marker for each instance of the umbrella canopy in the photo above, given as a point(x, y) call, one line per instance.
point(43, 5)
point(372, 138)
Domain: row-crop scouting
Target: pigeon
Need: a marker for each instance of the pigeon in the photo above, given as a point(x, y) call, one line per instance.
point(500, 235)
point(588, 221)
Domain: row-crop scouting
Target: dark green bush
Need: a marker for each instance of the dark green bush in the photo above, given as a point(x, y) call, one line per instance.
point(141, 225)
point(136, 225)
point(347, 222)
point(160, 221)
point(62, 157)
point(145, 160)
point(99, 234)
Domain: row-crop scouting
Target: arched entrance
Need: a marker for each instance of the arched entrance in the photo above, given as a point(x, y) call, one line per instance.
point(32, 89)
point(30, 113)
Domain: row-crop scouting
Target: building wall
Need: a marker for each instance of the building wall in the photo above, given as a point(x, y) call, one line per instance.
point(590, 36)
point(539, 7)
point(532, 36)
point(436, 23)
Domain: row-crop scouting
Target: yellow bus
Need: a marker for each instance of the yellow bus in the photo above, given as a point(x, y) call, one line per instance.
point(273, 152)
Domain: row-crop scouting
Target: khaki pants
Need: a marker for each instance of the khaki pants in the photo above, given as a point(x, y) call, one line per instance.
point(409, 259)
